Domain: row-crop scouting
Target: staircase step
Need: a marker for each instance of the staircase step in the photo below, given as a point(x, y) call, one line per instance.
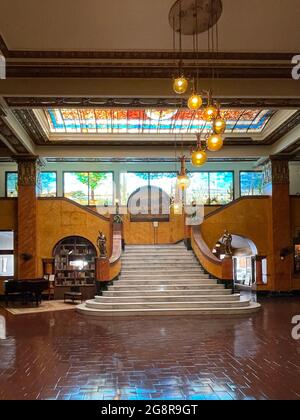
point(163, 287)
point(158, 256)
point(165, 305)
point(251, 308)
point(168, 271)
point(162, 266)
point(166, 293)
point(162, 277)
point(164, 282)
point(158, 298)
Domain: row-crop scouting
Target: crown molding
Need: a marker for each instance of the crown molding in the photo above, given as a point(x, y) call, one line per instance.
point(143, 64)
point(30, 102)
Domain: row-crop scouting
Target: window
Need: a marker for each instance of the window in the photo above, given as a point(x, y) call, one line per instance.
point(165, 180)
point(210, 188)
point(11, 184)
point(89, 188)
point(6, 254)
point(199, 188)
point(220, 187)
point(131, 181)
point(251, 183)
point(47, 184)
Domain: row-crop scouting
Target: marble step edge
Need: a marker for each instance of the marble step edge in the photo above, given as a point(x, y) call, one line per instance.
point(159, 284)
point(209, 298)
point(165, 305)
point(160, 256)
point(166, 293)
point(161, 266)
point(180, 272)
point(252, 308)
point(166, 287)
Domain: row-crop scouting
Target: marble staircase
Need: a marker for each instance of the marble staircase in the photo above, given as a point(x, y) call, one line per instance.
point(165, 280)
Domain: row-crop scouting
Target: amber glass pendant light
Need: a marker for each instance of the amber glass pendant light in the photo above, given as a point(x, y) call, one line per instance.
point(198, 155)
point(183, 181)
point(180, 82)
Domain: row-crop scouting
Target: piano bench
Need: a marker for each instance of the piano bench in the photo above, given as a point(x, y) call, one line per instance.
point(73, 296)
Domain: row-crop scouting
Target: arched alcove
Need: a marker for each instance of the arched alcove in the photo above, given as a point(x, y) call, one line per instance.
point(244, 252)
point(74, 262)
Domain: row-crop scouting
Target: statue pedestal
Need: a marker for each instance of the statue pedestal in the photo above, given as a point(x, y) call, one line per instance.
point(102, 273)
point(227, 268)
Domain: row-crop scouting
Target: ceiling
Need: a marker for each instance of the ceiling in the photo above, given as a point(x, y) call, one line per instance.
point(117, 55)
point(132, 25)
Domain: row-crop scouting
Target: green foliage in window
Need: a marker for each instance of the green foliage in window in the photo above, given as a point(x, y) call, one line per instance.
point(92, 179)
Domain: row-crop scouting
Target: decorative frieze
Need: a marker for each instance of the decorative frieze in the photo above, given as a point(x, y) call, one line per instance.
point(280, 172)
point(276, 172)
point(27, 172)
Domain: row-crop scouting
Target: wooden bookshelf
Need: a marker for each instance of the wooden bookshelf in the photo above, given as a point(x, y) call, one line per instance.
point(74, 262)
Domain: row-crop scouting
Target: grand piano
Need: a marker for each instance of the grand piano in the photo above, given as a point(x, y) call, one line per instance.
point(27, 289)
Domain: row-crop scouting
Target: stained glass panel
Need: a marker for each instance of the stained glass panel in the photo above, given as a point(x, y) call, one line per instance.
point(251, 183)
point(221, 187)
point(12, 184)
point(89, 188)
point(199, 188)
point(47, 184)
point(151, 121)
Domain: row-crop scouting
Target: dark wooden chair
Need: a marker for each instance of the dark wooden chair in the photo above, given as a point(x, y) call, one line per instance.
point(74, 294)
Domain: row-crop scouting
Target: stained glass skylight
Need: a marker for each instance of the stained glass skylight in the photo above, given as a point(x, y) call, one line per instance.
point(151, 121)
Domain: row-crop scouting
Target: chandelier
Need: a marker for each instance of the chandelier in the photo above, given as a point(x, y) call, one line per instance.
point(192, 17)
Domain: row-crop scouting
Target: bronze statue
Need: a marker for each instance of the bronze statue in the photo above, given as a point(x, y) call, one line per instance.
point(101, 244)
point(227, 241)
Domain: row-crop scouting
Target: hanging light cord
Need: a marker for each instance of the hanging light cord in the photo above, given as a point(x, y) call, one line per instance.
point(180, 37)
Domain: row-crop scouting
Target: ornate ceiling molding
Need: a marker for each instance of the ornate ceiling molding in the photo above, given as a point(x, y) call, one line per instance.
point(142, 71)
point(283, 129)
point(173, 102)
point(31, 125)
point(143, 64)
point(11, 137)
point(142, 55)
point(22, 109)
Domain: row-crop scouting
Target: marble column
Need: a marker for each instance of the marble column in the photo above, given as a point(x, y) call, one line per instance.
point(277, 185)
point(27, 218)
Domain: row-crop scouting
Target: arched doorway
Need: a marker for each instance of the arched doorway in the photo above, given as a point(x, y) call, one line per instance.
point(149, 204)
point(244, 253)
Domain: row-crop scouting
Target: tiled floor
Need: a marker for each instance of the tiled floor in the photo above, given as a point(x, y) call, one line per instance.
point(68, 356)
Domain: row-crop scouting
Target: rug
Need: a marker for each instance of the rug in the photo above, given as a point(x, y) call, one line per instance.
point(46, 306)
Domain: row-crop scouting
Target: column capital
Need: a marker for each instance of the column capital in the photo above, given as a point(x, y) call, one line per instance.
point(276, 171)
point(27, 170)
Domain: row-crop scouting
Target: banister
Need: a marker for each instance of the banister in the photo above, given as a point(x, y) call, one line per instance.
point(196, 232)
point(220, 269)
point(117, 244)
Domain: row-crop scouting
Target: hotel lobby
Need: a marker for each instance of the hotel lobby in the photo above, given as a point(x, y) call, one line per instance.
point(149, 200)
